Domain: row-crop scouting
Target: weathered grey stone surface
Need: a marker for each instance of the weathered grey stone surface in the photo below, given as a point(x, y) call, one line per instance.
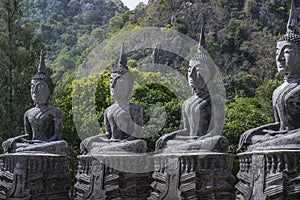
point(34, 176)
point(43, 123)
point(202, 114)
point(192, 163)
point(270, 167)
point(115, 176)
point(193, 176)
point(35, 165)
point(269, 175)
point(114, 165)
point(123, 120)
point(285, 132)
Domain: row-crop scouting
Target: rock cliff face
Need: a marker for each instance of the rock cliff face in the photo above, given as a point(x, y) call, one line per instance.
point(232, 27)
point(63, 22)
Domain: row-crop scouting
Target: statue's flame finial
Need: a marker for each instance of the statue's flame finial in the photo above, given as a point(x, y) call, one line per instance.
point(42, 66)
point(42, 75)
point(292, 25)
point(292, 32)
point(123, 59)
point(202, 42)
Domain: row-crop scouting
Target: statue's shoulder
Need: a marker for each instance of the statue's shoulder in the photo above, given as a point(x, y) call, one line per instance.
point(135, 107)
point(109, 108)
point(294, 93)
point(29, 111)
point(55, 111)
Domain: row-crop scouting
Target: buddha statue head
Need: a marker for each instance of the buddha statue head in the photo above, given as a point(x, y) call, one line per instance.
point(288, 48)
point(201, 69)
point(41, 84)
point(121, 79)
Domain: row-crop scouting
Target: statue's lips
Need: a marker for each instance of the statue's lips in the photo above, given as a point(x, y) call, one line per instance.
point(280, 65)
point(34, 96)
point(191, 82)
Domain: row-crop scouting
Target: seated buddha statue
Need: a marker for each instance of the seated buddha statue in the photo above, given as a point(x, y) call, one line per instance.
point(43, 123)
point(202, 113)
point(123, 120)
point(284, 133)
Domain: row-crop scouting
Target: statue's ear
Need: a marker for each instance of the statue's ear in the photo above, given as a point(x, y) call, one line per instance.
point(50, 98)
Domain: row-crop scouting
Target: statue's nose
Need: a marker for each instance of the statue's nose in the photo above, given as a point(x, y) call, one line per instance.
point(35, 90)
point(192, 74)
point(280, 56)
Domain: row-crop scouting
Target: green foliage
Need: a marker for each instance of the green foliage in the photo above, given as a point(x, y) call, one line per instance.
point(19, 52)
point(64, 23)
point(116, 23)
point(242, 85)
point(237, 29)
point(63, 100)
point(265, 91)
point(241, 42)
point(243, 114)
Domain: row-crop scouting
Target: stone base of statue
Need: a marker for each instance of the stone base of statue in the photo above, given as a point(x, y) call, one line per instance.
point(34, 176)
point(269, 175)
point(198, 176)
point(114, 176)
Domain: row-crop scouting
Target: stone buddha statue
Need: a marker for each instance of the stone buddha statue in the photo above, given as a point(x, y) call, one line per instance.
point(43, 123)
point(284, 133)
point(202, 113)
point(123, 120)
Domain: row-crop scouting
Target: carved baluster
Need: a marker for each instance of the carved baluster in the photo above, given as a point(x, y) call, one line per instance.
point(242, 163)
point(156, 166)
point(189, 165)
point(247, 164)
point(193, 164)
point(286, 162)
point(280, 164)
point(269, 163)
point(250, 163)
point(80, 166)
point(295, 163)
point(183, 165)
point(274, 163)
point(159, 165)
point(163, 166)
point(163, 163)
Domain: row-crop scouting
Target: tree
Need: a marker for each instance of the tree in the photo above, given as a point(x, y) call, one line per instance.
point(243, 114)
point(19, 52)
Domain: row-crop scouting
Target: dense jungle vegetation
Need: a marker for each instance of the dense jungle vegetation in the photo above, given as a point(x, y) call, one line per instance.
point(240, 35)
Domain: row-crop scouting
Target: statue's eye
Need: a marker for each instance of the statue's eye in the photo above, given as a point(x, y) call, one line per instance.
point(288, 51)
point(200, 69)
point(42, 85)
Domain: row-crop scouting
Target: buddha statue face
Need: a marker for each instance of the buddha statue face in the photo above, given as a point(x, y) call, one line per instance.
point(121, 86)
point(197, 75)
point(287, 58)
point(40, 91)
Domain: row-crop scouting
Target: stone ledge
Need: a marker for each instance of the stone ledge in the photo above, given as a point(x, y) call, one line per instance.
point(107, 177)
point(34, 176)
point(269, 174)
point(203, 175)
